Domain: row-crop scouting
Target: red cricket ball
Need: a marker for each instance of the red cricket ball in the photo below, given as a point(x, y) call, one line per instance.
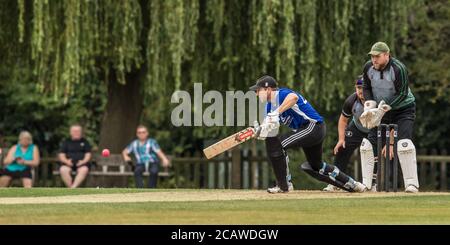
point(105, 153)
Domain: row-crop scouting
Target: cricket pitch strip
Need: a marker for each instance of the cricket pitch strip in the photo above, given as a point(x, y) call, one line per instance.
point(200, 195)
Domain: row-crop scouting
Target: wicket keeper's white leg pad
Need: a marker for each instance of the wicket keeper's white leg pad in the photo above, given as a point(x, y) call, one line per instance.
point(407, 158)
point(367, 162)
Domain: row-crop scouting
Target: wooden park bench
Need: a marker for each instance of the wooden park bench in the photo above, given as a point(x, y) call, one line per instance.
point(112, 166)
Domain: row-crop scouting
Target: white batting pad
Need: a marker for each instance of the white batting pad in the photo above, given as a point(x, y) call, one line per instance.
point(367, 162)
point(407, 157)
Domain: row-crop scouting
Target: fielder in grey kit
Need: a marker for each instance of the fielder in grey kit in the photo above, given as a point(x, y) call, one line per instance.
point(386, 84)
point(284, 106)
point(350, 130)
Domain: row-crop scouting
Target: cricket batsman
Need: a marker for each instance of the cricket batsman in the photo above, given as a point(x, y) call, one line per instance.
point(284, 106)
point(350, 130)
point(388, 100)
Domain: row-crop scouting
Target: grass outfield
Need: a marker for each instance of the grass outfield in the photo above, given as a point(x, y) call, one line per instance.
point(131, 206)
point(36, 192)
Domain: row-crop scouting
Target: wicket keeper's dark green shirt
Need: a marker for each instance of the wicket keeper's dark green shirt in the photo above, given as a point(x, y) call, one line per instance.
point(390, 84)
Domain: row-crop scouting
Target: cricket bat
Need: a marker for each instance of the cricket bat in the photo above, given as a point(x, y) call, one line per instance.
point(231, 141)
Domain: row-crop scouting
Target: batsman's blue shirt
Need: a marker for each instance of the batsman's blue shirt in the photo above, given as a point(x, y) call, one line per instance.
point(298, 115)
point(144, 153)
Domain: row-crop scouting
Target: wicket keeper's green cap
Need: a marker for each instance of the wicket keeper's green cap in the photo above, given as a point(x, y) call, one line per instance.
point(264, 82)
point(378, 48)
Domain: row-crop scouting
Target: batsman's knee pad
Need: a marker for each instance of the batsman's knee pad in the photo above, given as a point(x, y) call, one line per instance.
point(407, 157)
point(323, 174)
point(367, 162)
point(331, 171)
point(335, 175)
point(350, 184)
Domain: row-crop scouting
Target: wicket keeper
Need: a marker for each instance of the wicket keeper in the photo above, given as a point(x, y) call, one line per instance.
point(389, 100)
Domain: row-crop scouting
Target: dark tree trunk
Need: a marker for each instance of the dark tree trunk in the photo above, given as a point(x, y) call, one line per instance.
point(125, 102)
point(122, 114)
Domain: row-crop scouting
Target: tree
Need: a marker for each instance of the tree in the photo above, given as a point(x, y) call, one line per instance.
point(429, 56)
point(142, 50)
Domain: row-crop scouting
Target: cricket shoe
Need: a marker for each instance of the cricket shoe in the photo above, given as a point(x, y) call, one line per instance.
point(411, 189)
point(359, 187)
point(277, 189)
point(331, 188)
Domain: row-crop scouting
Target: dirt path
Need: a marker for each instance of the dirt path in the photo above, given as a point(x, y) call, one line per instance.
point(192, 196)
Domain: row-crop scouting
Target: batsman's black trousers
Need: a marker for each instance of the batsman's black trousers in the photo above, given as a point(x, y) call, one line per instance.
point(309, 137)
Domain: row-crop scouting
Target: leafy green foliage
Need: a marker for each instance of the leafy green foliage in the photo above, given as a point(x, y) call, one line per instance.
point(428, 57)
point(48, 120)
point(59, 54)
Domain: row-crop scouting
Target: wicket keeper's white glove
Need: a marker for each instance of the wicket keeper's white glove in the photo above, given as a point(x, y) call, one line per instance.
point(378, 114)
point(372, 118)
point(367, 115)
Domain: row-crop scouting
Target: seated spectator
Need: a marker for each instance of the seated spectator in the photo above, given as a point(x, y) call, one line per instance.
point(74, 155)
point(19, 161)
point(146, 150)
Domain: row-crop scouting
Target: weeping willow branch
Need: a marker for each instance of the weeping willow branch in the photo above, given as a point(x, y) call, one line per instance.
point(309, 45)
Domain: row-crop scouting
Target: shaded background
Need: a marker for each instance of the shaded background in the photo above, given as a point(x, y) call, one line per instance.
point(110, 65)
